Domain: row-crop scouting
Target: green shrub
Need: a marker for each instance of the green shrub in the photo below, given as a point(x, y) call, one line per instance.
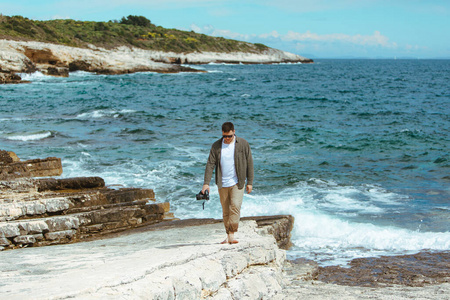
point(136, 31)
point(136, 20)
point(261, 47)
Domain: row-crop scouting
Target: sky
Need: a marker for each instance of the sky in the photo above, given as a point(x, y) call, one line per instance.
point(311, 28)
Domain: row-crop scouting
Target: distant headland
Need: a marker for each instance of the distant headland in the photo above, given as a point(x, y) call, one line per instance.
point(133, 44)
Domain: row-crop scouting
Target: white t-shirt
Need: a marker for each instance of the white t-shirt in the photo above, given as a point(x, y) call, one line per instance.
point(229, 176)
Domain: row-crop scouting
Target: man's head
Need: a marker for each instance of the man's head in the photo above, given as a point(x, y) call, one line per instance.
point(227, 126)
point(228, 132)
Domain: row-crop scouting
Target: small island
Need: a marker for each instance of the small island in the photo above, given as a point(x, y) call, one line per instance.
point(130, 45)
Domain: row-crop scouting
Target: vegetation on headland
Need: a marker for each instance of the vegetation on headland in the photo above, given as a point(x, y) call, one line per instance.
point(132, 31)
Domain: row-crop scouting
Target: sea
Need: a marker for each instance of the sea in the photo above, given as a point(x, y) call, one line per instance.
point(356, 150)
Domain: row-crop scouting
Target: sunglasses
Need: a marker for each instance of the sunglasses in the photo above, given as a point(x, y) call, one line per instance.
point(228, 136)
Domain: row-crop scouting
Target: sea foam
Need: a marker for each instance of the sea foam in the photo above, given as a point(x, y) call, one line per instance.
point(332, 241)
point(30, 136)
point(36, 76)
point(96, 114)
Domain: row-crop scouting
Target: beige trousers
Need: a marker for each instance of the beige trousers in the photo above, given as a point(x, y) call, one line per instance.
point(231, 200)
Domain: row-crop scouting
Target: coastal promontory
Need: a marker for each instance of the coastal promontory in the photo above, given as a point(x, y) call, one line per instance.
point(134, 44)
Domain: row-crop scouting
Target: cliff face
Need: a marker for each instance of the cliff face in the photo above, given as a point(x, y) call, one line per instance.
point(59, 60)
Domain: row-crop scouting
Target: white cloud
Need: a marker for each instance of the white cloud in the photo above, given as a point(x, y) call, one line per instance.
point(156, 4)
point(210, 30)
point(59, 17)
point(376, 39)
point(320, 45)
point(415, 47)
point(273, 34)
point(196, 28)
point(316, 5)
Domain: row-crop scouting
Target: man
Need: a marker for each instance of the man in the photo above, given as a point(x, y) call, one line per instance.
point(232, 160)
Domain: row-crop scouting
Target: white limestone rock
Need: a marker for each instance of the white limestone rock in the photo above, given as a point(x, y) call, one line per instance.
point(212, 274)
point(178, 263)
point(34, 208)
point(25, 239)
point(9, 230)
point(33, 226)
point(4, 241)
point(62, 223)
point(59, 235)
point(222, 294)
point(56, 204)
point(233, 264)
point(257, 282)
point(23, 57)
point(10, 211)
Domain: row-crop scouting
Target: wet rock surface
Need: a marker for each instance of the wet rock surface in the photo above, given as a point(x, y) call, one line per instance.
point(8, 78)
point(415, 270)
point(300, 285)
point(304, 279)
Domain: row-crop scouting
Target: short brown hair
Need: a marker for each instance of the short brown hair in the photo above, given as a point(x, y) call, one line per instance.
point(227, 126)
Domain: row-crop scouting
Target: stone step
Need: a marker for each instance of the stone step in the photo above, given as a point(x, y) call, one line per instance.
point(69, 228)
point(26, 185)
point(15, 210)
point(50, 166)
point(40, 204)
point(76, 183)
point(47, 211)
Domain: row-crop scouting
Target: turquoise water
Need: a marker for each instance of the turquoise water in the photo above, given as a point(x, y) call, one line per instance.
point(356, 150)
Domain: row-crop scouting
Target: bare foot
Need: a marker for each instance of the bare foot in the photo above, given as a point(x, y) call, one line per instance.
point(225, 241)
point(234, 242)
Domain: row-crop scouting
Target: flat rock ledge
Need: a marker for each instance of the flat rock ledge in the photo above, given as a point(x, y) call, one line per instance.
point(178, 261)
point(58, 60)
point(48, 211)
point(181, 260)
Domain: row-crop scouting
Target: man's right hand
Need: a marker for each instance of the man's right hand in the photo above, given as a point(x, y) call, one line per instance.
point(204, 188)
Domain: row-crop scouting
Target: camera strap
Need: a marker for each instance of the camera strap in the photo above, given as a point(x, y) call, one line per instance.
point(204, 204)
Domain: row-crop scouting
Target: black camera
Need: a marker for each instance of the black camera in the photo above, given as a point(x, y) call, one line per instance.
point(201, 196)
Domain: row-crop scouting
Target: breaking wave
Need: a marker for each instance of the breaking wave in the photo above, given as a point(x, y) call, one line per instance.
point(26, 137)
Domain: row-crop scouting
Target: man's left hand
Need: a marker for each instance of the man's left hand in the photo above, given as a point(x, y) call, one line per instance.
point(249, 188)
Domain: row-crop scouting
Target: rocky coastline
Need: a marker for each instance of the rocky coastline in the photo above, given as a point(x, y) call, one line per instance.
point(117, 242)
point(58, 60)
point(48, 211)
point(77, 238)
